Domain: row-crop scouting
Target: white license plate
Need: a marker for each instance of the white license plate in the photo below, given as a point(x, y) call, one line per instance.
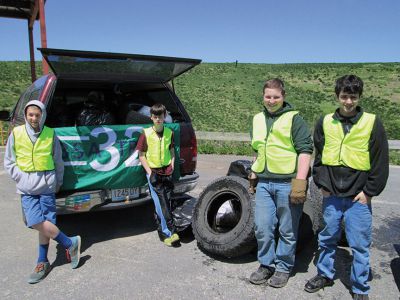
point(121, 194)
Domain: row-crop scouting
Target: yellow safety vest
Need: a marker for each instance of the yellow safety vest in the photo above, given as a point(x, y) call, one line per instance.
point(34, 157)
point(350, 150)
point(275, 150)
point(158, 153)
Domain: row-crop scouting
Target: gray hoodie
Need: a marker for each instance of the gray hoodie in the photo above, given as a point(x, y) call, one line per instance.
point(35, 183)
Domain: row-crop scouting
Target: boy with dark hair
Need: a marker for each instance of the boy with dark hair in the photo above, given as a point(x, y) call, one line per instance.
point(157, 155)
point(283, 144)
point(33, 159)
point(351, 166)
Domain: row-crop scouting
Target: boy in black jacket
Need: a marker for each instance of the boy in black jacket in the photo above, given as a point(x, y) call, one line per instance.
point(351, 166)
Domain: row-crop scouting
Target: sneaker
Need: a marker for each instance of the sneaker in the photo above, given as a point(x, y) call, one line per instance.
point(173, 240)
point(278, 280)
point(168, 241)
point(262, 274)
point(316, 283)
point(360, 296)
point(40, 272)
point(74, 252)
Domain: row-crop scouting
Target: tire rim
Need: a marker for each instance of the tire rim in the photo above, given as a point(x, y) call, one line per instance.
point(224, 212)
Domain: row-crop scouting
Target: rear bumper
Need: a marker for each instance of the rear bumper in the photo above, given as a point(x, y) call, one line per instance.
point(96, 200)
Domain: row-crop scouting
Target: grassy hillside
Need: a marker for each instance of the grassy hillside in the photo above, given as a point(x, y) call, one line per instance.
point(15, 77)
point(222, 97)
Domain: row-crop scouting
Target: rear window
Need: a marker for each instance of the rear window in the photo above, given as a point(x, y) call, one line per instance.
point(92, 104)
point(32, 93)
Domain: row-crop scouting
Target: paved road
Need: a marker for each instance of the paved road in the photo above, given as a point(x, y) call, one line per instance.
point(123, 259)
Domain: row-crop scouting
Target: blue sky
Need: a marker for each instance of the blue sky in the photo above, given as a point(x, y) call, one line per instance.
point(258, 31)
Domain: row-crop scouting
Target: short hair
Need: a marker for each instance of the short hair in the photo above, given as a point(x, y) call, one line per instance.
point(275, 83)
point(30, 105)
point(351, 84)
point(158, 109)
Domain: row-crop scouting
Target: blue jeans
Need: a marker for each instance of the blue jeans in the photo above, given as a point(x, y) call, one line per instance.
point(273, 207)
point(160, 188)
point(358, 227)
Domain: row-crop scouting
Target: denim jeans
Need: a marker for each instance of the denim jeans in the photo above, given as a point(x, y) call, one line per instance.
point(272, 209)
point(160, 188)
point(358, 226)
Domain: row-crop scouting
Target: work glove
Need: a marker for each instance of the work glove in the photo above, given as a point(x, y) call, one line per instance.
point(298, 194)
point(253, 180)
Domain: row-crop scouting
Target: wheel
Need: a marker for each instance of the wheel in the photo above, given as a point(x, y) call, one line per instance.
point(313, 207)
point(223, 219)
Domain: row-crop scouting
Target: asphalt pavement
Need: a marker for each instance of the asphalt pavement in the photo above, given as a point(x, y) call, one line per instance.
point(122, 257)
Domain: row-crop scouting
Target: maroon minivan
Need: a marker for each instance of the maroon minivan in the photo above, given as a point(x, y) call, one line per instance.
point(129, 85)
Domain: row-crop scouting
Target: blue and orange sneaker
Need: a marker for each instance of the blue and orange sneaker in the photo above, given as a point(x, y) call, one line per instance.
point(74, 252)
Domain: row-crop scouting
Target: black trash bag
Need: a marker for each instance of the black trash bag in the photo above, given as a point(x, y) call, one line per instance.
point(240, 168)
point(95, 116)
point(95, 111)
point(182, 213)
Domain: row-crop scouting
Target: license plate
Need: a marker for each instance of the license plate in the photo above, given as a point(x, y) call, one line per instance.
point(121, 194)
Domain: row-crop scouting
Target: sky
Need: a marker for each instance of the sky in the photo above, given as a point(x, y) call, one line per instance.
point(252, 31)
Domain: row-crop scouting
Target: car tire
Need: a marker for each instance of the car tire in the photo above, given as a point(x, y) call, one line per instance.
point(235, 235)
point(315, 198)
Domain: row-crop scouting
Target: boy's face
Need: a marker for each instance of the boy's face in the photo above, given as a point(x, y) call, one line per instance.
point(348, 103)
point(157, 120)
point(33, 116)
point(273, 99)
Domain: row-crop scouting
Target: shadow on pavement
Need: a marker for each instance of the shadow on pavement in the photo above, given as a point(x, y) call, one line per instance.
point(102, 226)
point(305, 256)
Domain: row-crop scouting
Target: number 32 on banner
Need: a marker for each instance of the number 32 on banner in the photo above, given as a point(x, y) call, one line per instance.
point(131, 161)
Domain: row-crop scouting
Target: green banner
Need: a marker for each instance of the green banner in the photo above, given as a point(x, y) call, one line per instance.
point(104, 157)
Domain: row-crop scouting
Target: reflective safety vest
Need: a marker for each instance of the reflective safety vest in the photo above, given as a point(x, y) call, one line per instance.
point(34, 157)
point(158, 153)
point(275, 149)
point(350, 150)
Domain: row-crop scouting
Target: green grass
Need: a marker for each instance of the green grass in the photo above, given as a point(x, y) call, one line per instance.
point(394, 157)
point(224, 147)
point(223, 98)
point(14, 79)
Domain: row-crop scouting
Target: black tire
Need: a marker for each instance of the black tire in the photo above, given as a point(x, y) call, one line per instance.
point(237, 236)
point(306, 233)
point(314, 200)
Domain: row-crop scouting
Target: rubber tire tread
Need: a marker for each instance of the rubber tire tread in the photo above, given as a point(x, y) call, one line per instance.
point(241, 239)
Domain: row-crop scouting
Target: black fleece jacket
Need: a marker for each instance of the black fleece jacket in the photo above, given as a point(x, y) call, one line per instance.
point(347, 182)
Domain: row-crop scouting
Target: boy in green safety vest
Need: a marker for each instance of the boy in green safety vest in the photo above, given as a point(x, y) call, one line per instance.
point(157, 155)
point(351, 166)
point(33, 159)
point(283, 144)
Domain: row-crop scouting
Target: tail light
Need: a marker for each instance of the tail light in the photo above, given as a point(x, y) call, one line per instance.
point(188, 149)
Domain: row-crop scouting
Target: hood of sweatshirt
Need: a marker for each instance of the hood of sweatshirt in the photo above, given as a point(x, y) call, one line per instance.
point(31, 132)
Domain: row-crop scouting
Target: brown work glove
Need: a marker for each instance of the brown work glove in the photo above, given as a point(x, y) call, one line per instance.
point(253, 180)
point(298, 194)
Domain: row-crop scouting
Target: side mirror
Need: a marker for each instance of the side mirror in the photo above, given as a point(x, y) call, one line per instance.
point(4, 115)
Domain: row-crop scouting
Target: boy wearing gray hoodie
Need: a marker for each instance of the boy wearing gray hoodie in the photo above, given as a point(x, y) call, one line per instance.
point(33, 159)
